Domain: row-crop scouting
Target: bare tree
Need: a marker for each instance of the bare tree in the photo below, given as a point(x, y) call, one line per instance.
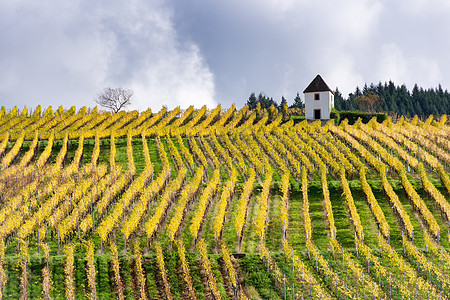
point(114, 98)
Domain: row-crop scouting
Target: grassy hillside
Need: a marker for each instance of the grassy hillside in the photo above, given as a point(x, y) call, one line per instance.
point(227, 204)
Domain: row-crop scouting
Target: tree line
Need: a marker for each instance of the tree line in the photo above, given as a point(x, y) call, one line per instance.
point(387, 97)
point(266, 102)
point(395, 100)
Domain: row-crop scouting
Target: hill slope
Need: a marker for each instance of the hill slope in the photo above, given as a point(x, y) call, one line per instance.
point(214, 204)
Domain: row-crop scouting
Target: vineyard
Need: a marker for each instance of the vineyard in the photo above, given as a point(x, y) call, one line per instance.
point(221, 204)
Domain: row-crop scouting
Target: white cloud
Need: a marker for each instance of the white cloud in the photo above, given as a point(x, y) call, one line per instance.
point(178, 80)
point(342, 52)
point(201, 51)
point(392, 64)
point(353, 20)
point(424, 7)
point(283, 44)
point(427, 71)
point(347, 19)
point(342, 73)
point(65, 52)
point(407, 68)
point(280, 45)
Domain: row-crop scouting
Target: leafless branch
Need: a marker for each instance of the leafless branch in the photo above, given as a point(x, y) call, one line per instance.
point(114, 98)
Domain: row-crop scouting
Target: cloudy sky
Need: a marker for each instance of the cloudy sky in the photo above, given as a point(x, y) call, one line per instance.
point(172, 52)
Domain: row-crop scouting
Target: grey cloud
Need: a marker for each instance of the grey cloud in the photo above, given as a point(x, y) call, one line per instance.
point(278, 46)
point(208, 52)
point(65, 52)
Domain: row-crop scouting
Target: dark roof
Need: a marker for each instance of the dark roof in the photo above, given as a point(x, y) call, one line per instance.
point(318, 85)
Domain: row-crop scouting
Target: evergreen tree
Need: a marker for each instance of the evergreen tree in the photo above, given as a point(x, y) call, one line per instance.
point(339, 102)
point(298, 103)
point(399, 100)
point(252, 101)
point(283, 102)
point(392, 99)
point(263, 100)
point(416, 100)
point(274, 103)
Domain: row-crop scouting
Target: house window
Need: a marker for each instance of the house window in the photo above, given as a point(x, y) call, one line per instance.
point(317, 115)
point(316, 96)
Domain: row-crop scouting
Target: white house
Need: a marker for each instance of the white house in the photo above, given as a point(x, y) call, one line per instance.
point(319, 99)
